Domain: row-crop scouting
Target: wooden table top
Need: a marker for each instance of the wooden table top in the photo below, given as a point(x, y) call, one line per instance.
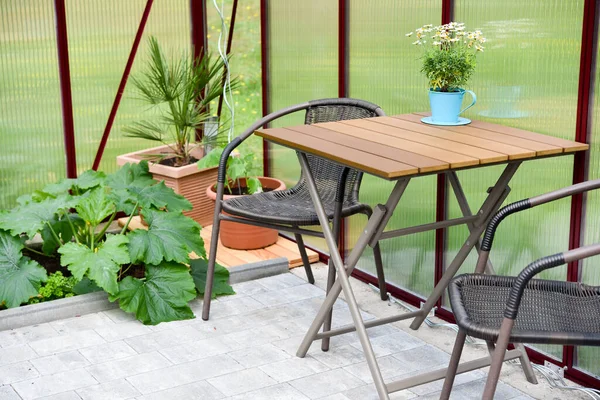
point(401, 145)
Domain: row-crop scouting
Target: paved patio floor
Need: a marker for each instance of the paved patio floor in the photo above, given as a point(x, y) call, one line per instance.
point(246, 351)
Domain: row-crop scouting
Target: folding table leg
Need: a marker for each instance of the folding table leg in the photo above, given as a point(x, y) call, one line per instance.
point(344, 281)
point(487, 210)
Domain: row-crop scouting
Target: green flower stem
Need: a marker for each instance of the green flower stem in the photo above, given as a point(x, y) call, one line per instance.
point(103, 231)
point(58, 240)
point(130, 217)
point(92, 229)
point(123, 271)
point(35, 251)
point(73, 229)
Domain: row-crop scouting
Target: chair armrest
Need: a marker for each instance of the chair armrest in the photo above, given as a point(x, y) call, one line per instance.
point(525, 204)
point(248, 132)
point(516, 292)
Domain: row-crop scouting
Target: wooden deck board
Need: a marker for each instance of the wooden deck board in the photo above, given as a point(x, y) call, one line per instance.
point(230, 258)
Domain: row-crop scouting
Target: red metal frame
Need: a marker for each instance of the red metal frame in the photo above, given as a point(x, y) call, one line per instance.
point(122, 84)
point(264, 63)
point(343, 43)
point(62, 46)
point(199, 40)
point(228, 51)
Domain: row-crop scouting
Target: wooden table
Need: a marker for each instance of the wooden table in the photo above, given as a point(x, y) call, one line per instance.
point(399, 148)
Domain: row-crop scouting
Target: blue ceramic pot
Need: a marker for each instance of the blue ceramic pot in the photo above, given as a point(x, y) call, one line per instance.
point(445, 106)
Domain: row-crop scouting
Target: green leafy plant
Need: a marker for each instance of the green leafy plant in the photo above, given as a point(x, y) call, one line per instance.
point(182, 89)
point(57, 286)
point(69, 217)
point(449, 59)
point(238, 168)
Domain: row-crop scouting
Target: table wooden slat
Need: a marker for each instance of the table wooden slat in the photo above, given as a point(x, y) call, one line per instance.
point(539, 149)
point(366, 162)
point(456, 160)
point(567, 145)
point(484, 156)
point(512, 152)
point(425, 164)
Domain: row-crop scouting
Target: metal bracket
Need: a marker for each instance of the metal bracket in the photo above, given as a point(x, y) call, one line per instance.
point(560, 371)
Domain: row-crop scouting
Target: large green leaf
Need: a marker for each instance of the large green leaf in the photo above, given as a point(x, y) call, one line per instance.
point(130, 175)
point(87, 180)
point(161, 296)
point(30, 218)
point(159, 196)
point(101, 265)
point(221, 286)
point(20, 277)
point(96, 206)
point(170, 237)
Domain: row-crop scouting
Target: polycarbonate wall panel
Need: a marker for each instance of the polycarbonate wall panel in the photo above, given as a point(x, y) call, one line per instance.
point(527, 78)
point(31, 139)
point(587, 358)
point(384, 69)
point(100, 38)
point(303, 66)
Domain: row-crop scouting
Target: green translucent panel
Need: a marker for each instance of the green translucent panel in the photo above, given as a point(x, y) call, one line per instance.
point(31, 137)
point(384, 69)
point(100, 39)
point(303, 66)
point(587, 357)
point(527, 78)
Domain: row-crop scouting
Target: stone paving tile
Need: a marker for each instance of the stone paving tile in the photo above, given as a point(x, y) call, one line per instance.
point(164, 338)
point(436, 386)
point(392, 343)
point(288, 295)
point(62, 396)
point(118, 389)
point(17, 372)
point(339, 356)
point(82, 323)
point(8, 393)
point(473, 390)
point(369, 393)
point(241, 381)
point(67, 342)
point(196, 350)
point(183, 374)
point(293, 368)
point(122, 330)
point(60, 362)
point(389, 366)
point(223, 326)
point(282, 391)
point(198, 390)
point(53, 384)
point(129, 366)
point(107, 352)
point(237, 306)
point(17, 353)
point(280, 281)
point(326, 383)
point(26, 334)
point(260, 355)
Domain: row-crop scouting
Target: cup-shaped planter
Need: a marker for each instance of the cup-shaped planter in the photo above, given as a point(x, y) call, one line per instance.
point(446, 106)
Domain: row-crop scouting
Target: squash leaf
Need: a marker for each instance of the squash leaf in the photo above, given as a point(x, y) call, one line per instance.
point(161, 296)
point(87, 180)
point(159, 196)
point(30, 218)
point(96, 206)
point(101, 265)
point(170, 237)
point(199, 268)
point(127, 177)
point(20, 277)
point(62, 228)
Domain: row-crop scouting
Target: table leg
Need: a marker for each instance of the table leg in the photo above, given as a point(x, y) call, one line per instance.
point(344, 281)
point(487, 210)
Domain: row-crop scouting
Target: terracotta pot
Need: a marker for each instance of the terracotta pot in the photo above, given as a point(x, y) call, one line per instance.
point(246, 237)
point(188, 180)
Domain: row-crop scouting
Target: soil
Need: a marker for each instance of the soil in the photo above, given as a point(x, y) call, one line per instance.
point(170, 162)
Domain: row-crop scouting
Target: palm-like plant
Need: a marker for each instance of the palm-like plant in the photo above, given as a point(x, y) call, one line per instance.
point(183, 88)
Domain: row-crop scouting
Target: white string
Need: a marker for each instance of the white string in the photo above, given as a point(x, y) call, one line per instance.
point(227, 86)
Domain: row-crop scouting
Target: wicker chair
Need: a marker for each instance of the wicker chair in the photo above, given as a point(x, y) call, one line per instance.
point(291, 209)
point(503, 310)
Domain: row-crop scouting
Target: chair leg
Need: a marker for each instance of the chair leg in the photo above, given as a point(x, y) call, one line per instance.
point(378, 265)
point(498, 359)
point(212, 254)
point(327, 322)
point(453, 365)
point(302, 250)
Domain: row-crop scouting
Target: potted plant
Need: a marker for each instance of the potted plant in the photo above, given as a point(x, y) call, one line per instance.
point(241, 182)
point(149, 272)
point(448, 63)
point(180, 92)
